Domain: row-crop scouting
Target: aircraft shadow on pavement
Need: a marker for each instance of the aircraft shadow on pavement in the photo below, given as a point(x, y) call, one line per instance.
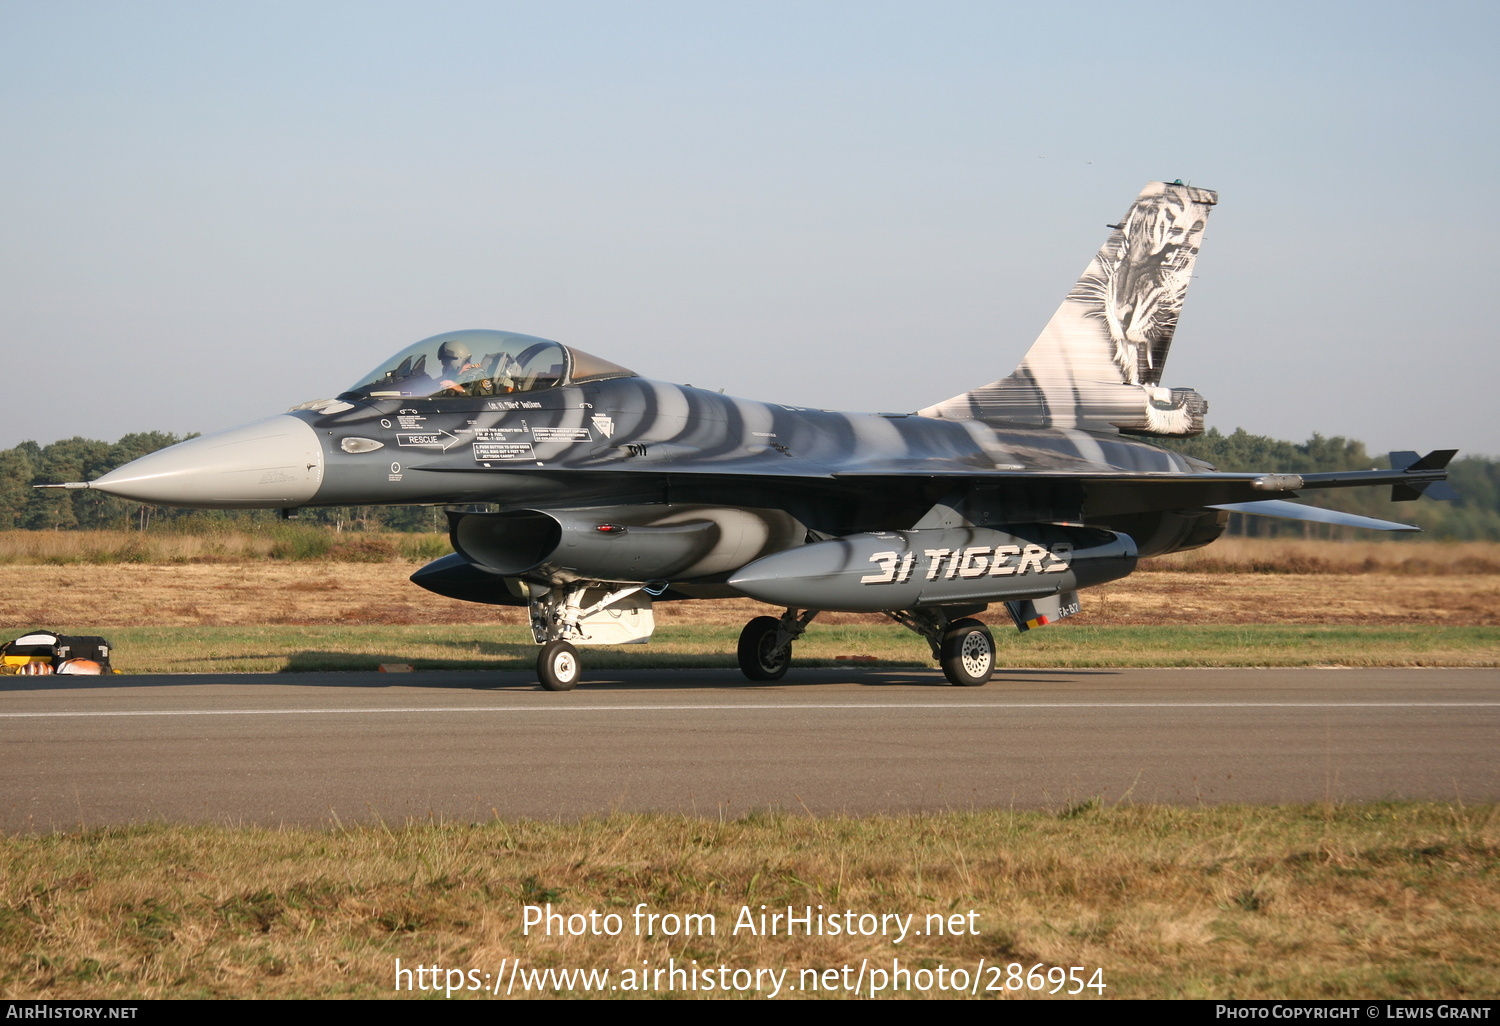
point(467, 678)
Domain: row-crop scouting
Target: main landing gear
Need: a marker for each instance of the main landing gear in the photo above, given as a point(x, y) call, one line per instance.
point(963, 647)
point(765, 649)
point(967, 653)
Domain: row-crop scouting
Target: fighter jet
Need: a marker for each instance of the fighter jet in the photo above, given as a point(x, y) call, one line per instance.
point(608, 492)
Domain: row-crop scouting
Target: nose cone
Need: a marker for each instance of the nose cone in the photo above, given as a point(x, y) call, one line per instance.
point(276, 462)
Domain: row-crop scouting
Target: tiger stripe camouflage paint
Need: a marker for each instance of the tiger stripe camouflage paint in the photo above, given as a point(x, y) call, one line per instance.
point(610, 487)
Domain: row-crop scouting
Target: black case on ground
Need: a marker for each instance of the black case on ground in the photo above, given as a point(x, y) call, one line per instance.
point(69, 646)
point(83, 647)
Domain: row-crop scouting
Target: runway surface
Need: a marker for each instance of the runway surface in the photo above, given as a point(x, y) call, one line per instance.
point(343, 747)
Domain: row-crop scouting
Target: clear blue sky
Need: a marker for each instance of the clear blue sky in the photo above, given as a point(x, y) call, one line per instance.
point(214, 211)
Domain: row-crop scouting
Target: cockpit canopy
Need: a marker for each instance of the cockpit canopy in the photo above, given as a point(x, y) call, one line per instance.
point(481, 363)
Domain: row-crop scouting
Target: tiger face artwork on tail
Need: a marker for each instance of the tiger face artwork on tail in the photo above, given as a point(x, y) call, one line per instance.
point(1097, 364)
point(1137, 283)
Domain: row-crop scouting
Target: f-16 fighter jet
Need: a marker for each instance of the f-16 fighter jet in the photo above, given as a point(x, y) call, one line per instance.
point(609, 492)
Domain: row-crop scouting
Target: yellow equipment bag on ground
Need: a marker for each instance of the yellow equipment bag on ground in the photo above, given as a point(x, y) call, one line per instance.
point(50, 652)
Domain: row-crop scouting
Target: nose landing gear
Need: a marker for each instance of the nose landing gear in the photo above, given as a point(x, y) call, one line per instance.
point(560, 621)
point(558, 666)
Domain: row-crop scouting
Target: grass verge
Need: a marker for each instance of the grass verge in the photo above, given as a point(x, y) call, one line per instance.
point(1357, 901)
point(271, 649)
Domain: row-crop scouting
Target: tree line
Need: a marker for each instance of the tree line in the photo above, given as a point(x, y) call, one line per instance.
point(23, 507)
point(1475, 516)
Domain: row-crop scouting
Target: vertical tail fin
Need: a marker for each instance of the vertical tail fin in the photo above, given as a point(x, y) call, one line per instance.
point(1098, 363)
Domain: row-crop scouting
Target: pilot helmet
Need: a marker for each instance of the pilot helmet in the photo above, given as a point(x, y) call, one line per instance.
point(454, 352)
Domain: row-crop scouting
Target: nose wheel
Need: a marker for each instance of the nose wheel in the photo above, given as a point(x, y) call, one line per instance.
point(558, 666)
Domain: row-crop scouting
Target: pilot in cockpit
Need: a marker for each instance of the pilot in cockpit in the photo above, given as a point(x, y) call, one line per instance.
point(459, 375)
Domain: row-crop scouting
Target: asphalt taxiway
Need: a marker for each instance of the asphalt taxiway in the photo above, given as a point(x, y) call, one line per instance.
point(342, 747)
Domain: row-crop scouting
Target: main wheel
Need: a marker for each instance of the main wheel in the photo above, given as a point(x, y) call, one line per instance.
point(968, 653)
point(757, 652)
point(558, 666)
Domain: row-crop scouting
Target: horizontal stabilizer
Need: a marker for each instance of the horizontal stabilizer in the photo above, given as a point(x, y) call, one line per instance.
point(1296, 511)
point(1436, 460)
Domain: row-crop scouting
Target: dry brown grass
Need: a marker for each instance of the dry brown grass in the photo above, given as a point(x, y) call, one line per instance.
point(1356, 599)
point(294, 541)
point(1377, 901)
point(1295, 556)
point(276, 542)
point(315, 593)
